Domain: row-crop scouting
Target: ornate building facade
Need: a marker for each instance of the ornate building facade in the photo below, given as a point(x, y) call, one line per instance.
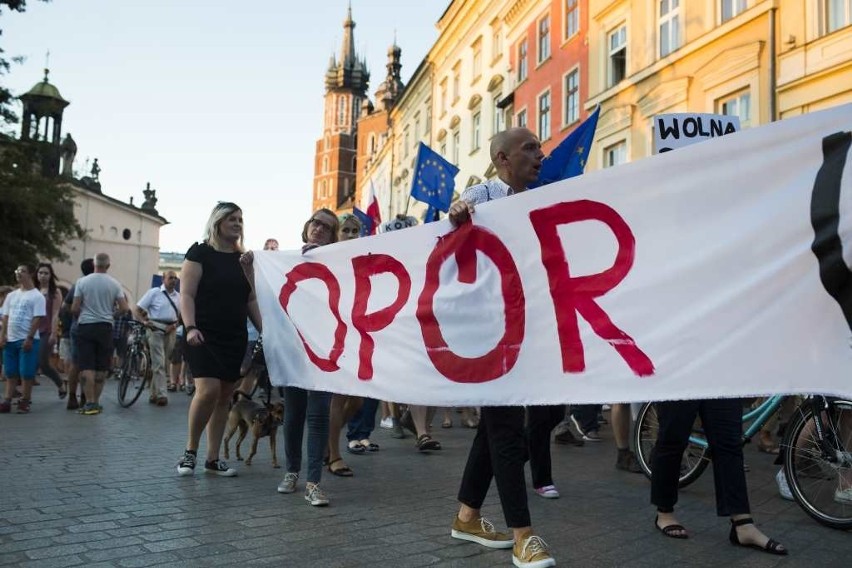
point(129, 234)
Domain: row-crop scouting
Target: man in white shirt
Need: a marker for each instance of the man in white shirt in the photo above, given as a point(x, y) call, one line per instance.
point(95, 297)
point(22, 311)
point(158, 310)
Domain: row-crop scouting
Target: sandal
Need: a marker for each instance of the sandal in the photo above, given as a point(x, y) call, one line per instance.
point(63, 390)
point(772, 546)
point(369, 446)
point(425, 443)
point(671, 531)
point(354, 448)
point(343, 471)
point(447, 423)
point(768, 448)
point(171, 387)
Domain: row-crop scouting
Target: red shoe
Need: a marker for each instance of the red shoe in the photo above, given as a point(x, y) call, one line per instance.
point(23, 406)
point(6, 407)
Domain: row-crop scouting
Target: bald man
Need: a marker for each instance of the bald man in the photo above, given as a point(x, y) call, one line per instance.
point(499, 449)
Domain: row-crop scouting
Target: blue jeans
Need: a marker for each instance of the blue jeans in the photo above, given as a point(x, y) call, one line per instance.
point(301, 405)
point(364, 421)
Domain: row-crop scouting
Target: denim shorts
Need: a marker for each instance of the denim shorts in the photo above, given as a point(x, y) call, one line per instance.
point(20, 364)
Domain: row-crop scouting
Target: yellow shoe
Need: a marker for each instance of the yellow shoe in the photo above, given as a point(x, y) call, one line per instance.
point(480, 531)
point(531, 552)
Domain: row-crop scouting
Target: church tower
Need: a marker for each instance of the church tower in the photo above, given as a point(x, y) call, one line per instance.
point(42, 123)
point(346, 83)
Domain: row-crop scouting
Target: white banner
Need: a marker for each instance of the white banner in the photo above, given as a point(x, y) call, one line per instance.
point(689, 274)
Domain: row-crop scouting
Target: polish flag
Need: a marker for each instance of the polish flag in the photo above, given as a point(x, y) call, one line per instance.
point(371, 207)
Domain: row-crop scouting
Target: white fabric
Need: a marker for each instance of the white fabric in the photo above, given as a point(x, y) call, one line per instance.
point(99, 293)
point(723, 297)
point(22, 306)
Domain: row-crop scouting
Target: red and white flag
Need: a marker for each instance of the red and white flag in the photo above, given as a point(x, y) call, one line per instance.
point(371, 207)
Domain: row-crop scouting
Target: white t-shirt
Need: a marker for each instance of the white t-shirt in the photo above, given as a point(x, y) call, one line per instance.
point(22, 306)
point(99, 293)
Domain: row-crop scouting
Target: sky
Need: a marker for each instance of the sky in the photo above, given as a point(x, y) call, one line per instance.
point(207, 100)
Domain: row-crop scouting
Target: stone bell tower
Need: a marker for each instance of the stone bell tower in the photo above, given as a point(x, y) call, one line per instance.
point(42, 122)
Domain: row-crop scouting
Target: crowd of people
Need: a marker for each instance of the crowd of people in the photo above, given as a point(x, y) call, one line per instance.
point(212, 322)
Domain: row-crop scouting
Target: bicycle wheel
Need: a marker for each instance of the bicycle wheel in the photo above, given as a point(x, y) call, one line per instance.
point(818, 473)
point(134, 375)
point(695, 458)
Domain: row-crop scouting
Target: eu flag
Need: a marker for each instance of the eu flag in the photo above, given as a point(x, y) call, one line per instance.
point(434, 179)
point(568, 159)
point(366, 222)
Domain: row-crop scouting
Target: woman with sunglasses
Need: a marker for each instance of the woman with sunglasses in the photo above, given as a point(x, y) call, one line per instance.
point(48, 326)
point(216, 298)
point(304, 405)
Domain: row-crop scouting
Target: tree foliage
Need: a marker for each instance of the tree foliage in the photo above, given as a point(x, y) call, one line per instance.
point(36, 213)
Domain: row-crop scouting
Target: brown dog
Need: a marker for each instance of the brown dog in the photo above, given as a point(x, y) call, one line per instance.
point(262, 420)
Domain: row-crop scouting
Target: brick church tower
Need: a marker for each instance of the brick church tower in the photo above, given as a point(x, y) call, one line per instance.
point(346, 83)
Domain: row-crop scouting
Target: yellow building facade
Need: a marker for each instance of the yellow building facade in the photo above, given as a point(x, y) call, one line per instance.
point(759, 60)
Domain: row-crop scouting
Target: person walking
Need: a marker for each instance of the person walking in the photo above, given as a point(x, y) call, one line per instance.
point(49, 326)
point(22, 313)
point(499, 448)
point(95, 298)
point(158, 311)
point(216, 298)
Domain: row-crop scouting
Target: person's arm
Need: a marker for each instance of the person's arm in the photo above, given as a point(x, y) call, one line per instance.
point(190, 275)
point(123, 306)
point(28, 342)
point(76, 305)
point(54, 328)
point(3, 331)
point(460, 212)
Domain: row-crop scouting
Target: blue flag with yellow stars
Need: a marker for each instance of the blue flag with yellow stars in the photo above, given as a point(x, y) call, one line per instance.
point(434, 179)
point(569, 158)
point(366, 222)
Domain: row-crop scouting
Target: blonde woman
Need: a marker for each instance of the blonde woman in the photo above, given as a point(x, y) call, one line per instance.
point(216, 298)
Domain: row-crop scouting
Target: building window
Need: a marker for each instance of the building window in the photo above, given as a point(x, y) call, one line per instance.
point(738, 104)
point(428, 117)
point(544, 116)
point(496, 40)
point(838, 14)
point(341, 110)
point(522, 60)
point(417, 127)
point(443, 148)
point(443, 97)
point(499, 118)
point(477, 59)
point(476, 131)
point(617, 41)
point(543, 38)
point(669, 26)
point(521, 119)
point(456, 82)
point(325, 164)
point(732, 8)
point(572, 97)
point(616, 154)
point(372, 144)
point(456, 144)
point(572, 18)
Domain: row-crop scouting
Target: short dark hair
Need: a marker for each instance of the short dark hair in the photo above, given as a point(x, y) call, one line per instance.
point(87, 266)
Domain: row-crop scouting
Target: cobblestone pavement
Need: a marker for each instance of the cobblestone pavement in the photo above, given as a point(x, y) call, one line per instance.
point(103, 491)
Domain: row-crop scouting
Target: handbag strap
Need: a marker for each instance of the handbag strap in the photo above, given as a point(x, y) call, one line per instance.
point(177, 311)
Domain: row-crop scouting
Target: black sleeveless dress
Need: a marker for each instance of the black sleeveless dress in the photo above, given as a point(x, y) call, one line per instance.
point(221, 309)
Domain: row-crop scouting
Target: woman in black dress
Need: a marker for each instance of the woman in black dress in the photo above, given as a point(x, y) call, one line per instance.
point(215, 300)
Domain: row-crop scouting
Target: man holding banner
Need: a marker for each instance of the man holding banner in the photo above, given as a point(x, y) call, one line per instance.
point(499, 449)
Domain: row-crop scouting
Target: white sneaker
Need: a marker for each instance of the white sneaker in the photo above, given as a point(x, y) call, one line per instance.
point(548, 492)
point(843, 496)
point(288, 484)
point(315, 496)
point(386, 423)
point(783, 486)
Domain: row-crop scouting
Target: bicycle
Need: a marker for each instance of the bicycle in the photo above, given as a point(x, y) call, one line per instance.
point(135, 371)
point(817, 455)
point(696, 457)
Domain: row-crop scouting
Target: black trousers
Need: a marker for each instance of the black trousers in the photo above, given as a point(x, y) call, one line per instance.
point(722, 423)
point(541, 420)
point(499, 451)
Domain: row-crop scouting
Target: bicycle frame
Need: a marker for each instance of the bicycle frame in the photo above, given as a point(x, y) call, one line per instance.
point(757, 417)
